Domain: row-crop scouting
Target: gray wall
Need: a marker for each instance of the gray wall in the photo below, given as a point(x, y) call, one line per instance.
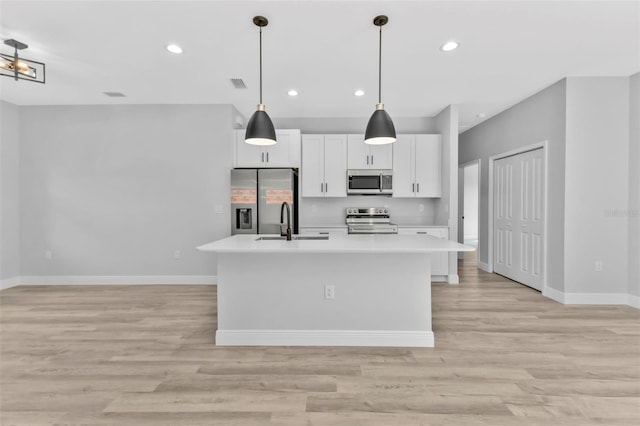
point(634, 185)
point(9, 191)
point(596, 184)
point(115, 190)
point(538, 118)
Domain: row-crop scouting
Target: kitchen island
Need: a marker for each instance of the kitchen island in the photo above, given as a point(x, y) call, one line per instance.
point(342, 290)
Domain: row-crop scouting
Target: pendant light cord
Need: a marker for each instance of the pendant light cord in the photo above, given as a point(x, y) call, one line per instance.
point(380, 68)
point(260, 65)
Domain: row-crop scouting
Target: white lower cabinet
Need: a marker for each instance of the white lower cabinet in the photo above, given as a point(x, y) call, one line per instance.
point(323, 230)
point(439, 261)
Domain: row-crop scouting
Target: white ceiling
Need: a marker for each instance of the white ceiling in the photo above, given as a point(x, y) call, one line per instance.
point(324, 49)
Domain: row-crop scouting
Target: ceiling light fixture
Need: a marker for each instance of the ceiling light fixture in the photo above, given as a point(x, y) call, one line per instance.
point(359, 93)
point(292, 93)
point(20, 68)
point(260, 130)
point(380, 129)
point(174, 48)
point(449, 46)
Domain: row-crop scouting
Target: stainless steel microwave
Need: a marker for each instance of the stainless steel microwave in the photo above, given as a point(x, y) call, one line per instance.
point(370, 182)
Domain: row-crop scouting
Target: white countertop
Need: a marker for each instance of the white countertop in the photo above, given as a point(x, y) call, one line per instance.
point(368, 243)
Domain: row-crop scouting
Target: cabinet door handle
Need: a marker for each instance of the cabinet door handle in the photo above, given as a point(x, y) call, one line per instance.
point(367, 160)
point(413, 187)
point(321, 187)
point(267, 156)
point(326, 187)
point(263, 157)
point(418, 187)
point(421, 232)
point(372, 160)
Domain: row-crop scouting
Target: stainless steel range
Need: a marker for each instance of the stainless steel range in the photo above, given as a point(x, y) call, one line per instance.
point(370, 220)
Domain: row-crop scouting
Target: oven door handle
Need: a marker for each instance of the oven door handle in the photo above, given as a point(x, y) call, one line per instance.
point(380, 182)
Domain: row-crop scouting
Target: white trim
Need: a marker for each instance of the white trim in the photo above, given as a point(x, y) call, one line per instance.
point(460, 214)
point(596, 298)
point(553, 294)
point(453, 279)
point(9, 282)
point(634, 301)
point(118, 280)
point(545, 155)
point(423, 339)
point(485, 267)
point(439, 278)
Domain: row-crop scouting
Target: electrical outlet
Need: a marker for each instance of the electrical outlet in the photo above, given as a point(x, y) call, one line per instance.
point(598, 266)
point(329, 292)
point(177, 254)
point(48, 254)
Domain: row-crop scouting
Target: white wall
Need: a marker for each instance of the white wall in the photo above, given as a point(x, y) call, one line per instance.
point(115, 190)
point(596, 184)
point(354, 125)
point(537, 118)
point(634, 185)
point(9, 192)
point(446, 213)
point(471, 202)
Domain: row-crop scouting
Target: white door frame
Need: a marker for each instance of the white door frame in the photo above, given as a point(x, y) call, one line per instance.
point(461, 203)
point(545, 158)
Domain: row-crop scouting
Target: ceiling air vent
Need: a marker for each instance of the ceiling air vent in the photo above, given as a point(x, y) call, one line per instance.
point(115, 94)
point(238, 83)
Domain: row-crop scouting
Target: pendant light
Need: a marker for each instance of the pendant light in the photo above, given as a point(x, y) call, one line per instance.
point(380, 129)
point(260, 130)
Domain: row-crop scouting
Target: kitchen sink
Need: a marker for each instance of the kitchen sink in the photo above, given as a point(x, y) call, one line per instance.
point(295, 237)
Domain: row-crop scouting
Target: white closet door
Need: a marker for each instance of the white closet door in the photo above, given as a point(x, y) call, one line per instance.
point(530, 222)
point(503, 211)
point(518, 217)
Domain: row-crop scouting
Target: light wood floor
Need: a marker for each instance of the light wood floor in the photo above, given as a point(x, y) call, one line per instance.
point(143, 355)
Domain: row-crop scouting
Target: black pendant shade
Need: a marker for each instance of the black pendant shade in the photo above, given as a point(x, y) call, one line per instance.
point(260, 130)
point(380, 129)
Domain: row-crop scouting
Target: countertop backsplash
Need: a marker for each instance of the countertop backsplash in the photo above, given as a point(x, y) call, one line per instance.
point(323, 212)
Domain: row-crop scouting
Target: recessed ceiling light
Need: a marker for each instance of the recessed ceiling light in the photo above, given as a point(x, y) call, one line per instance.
point(481, 115)
point(292, 93)
point(449, 46)
point(359, 93)
point(174, 48)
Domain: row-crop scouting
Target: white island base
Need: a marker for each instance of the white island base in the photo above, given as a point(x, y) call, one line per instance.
point(273, 292)
point(380, 299)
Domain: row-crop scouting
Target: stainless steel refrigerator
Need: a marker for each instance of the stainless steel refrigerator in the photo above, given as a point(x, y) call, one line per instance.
point(257, 196)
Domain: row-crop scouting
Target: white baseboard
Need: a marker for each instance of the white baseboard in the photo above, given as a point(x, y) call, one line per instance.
point(553, 294)
point(118, 280)
point(596, 298)
point(9, 282)
point(592, 298)
point(423, 339)
point(485, 267)
point(439, 278)
point(453, 279)
point(634, 301)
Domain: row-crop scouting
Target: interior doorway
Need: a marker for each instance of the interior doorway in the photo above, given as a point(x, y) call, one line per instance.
point(469, 207)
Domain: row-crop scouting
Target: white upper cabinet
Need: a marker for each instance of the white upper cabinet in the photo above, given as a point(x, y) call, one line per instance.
point(285, 153)
point(417, 166)
point(363, 156)
point(324, 166)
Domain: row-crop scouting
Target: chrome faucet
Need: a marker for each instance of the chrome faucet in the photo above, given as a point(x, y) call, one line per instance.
point(288, 231)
